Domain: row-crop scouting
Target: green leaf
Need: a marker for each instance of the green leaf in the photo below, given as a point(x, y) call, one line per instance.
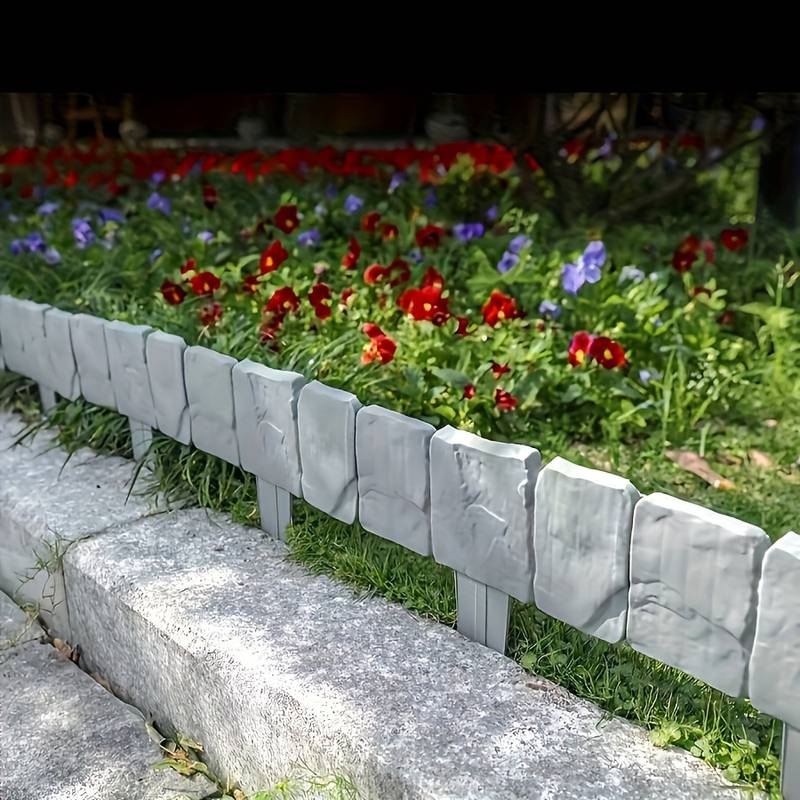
point(451, 376)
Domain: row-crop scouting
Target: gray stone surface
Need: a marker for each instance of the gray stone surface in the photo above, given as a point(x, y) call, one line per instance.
point(266, 423)
point(64, 737)
point(394, 496)
point(326, 419)
point(22, 329)
point(16, 626)
point(128, 362)
point(208, 625)
point(775, 661)
point(209, 388)
point(692, 602)
point(581, 541)
point(62, 373)
point(47, 502)
point(91, 357)
point(164, 353)
point(482, 500)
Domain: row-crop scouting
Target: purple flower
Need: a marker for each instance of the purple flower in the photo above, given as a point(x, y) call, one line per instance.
point(52, 256)
point(465, 231)
point(595, 254)
point(507, 262)
point(110, 215)
point(158, 203)
point(83, 233)
point(398, 179)
point(430, 200)
point(607, 148)
point(586, 269)
point(13, 218)
point(155, 254)
point(158, 177)
point(631, 273)
point(45, 209)
point(518, 243)
point(758, 124)
point(16, 247)
point(205, 236)
point(331, 192)
point(309, 238)
point(416, 256)
point(491, 213)
point(34, 243)
point(320, 210)
point(571, 278)
point(352, 203)
point(549, 309)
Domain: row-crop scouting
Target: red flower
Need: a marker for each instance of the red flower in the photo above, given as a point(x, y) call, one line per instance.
point(210, 196)
point(499, 369)
point(433, 277)
point(398, 272)
point(70, 178)
point(26, 191)
point(709, 251)
point(319, 293)
point(205, 283)
point(173, 293)
point(469, 391)
point(188, 266)
point(682, 260)
point(250, 284)
point(380, 347)
point(371, 329)
point(499, 307)
point(369, 222)
point(429, 236)
point(282, 302)
point(346, 295)
point(607, 352)
point(461, 330)
point(272, 257)
point(505, 401)
point(390, 231)
point(691, 244)
point(579, 348)
point(286, 218)
point(374, 273)
point(733, 239)
point(210, 314)
point(269, 330)
point(425, 304)
point(727, 317)
point(350, 258)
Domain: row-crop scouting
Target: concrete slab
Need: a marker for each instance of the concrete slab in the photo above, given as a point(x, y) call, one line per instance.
point(209, 626)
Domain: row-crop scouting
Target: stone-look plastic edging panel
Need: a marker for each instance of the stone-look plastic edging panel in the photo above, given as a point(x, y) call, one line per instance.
point(209, 388)
point(775, 662)
point(581, 541)
point(128, 361)
point(164, 355)
point(694, 578)
point(22, 329)
point(392, 454)
point(62, 372)
point(482, 499)
point(326, 420)
point(91, 356)
point(266, 423)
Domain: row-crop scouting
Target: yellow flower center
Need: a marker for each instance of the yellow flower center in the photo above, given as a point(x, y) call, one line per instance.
point(501, 315)
point(269, 261)
point(289, 223)
point(287, 304)
point(427, 306)
point(580, 356)
point(607, 354)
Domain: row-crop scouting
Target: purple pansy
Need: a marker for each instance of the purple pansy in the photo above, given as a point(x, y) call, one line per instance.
point(16, 247)
point(631, 273)
point(320, 210)
point(83, 233)
point(398, 179)
point(430, 200)
point(547, 308)
point(309, 238)
point(518, 243)
point(110, 215)
point(758, 124)
point(158, 203)
point(465, 231)
point(586, 269)
point(507, 262)
point(46, 209)
point(352, 203)
point(34, 243)
point(205, 236)
point(491, 213)
point(158, 177)
point(331, 192)
point(157, 253)
point(416, 256)
point(52, 256)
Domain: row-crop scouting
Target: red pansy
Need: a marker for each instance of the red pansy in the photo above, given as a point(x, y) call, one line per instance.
point(709, 251)
point(210, 196)
point(433, 277)
point(374, 273)
point(272, 257)
point(188, 266)
point(461, 330)
point(286, 218)
point(505, 401)
point(210, 314)
point(682, 260)
point(346, 295)
point(733, 239)
point(499, 369)
point(390, 231)
point(425, 303)
point(429, 236)
point(350, 258)
point(173, 293)
point(205, 283)
point(607, 352)
point(579, 348)
point(369, 222)
point(398, 272)
point(380, 347)
point(250, 284)
point(320, 292)
point(499, 307)
point(282, 302)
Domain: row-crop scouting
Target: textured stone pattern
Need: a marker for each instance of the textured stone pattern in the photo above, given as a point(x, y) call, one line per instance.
point(62, 370)
point(22, 329)
point(266, 423)
point(209, 389)
point(392, 453)
point(581, 542)
point(91, 358)
point(482, 500)
point(164, 355)
point(327, 427)
point(775, 662)
point(64, 736)
point(692, 602)
point(128, 361)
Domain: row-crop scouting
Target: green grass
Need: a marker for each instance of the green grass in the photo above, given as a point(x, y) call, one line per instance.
point(676, 709)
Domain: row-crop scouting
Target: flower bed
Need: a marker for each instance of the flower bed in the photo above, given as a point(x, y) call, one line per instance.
point(415, 281)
